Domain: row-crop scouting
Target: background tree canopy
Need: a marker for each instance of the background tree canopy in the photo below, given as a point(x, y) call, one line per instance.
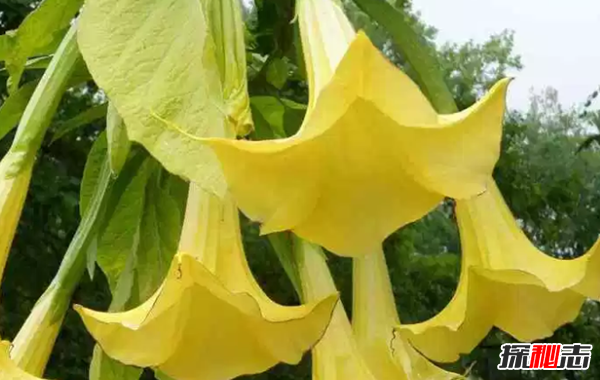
point(551, 186)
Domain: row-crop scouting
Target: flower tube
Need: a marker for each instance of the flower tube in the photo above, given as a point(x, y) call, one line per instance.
point(210, 319)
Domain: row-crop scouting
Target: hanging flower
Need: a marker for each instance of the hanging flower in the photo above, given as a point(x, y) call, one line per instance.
point(372, 154)
point(210, 319)
point(536, 293)
point(367, 350)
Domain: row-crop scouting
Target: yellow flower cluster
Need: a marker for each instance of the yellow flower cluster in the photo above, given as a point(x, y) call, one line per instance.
point(371, 156)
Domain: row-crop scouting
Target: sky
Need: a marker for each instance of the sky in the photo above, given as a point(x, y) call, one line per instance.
point(558, 40)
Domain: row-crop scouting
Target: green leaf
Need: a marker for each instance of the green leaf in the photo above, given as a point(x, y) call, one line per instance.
point(120, 237)
point(136, 249)
point(277, 72)
point(40, 33)
point(91, 171)
point(13, 107)
point(118, 142)
point(160, 229)
point(276, 118)
point(143, 225)
point(422, 60)
point(84, 118)
point(105, 368)
point(161, 376)
point(283, 245)
point(156, 59)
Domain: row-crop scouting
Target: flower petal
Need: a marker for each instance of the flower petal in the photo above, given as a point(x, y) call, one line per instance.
point(358, 169)
point(537, 293)
point(13, 191)
point(388, 354)
point(210, 319)
point(8, 369)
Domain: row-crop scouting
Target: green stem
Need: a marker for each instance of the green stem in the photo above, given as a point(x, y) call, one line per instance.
point(43, 103)
point(73, 265)
point(421, 58)
point(33, 344)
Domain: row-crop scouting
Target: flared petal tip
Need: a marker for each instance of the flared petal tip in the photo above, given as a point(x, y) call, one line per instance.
point(436, 343)
point(8, 369)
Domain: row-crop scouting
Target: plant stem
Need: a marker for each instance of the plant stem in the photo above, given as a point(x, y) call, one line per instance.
point(33, 344)
point(43, 104)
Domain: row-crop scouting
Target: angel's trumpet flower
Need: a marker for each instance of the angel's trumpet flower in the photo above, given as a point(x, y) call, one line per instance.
point(536, 293)
point(33, 344)
point(8, 369)
point(17, 164)
point(210, 320)
point(13, 191)
point(365, 353)
point(372, 154)
point(374, 316)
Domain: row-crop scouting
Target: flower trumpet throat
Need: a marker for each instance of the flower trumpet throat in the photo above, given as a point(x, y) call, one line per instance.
point(372, 156)
point(8, 369)
point(210, 319)
point(539, 293)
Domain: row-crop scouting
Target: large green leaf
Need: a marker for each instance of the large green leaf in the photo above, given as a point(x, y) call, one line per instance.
point(40, 33)
point(156, 60)
point(120, 238)
point(136, 249)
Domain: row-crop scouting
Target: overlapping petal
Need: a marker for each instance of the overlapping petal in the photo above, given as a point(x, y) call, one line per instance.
point(371, 157)
point(367, 350)
point(538, 293)
point(389, 355)
point(210, 319)
point(8, 369)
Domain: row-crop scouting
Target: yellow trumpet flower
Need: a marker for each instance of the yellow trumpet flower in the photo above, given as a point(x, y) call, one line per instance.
point(538, 293)
point(362, 351)
point(8, 369)
point(33, 344)
point(372, 154)
point(210, 320)
point(13, 191)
